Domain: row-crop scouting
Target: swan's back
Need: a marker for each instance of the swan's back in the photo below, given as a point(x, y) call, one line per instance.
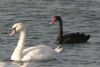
point(40, 52)
point(76, 38)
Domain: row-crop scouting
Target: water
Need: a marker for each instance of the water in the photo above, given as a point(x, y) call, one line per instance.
point(77, 15)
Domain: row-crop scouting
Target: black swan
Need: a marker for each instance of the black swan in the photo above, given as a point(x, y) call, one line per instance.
point(68, 38)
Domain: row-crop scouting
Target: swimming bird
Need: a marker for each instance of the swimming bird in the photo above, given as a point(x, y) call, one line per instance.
point(40, 52)
point(77, 37)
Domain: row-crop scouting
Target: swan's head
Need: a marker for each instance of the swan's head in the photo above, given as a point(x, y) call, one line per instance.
point(17, 28)
point(54, 19)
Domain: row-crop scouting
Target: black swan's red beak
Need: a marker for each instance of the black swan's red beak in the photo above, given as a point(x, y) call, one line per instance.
point(53, 20)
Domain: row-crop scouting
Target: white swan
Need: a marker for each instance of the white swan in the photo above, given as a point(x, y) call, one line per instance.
point(41, 52)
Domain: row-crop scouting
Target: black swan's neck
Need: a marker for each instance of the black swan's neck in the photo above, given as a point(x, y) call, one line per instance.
point(60, 33)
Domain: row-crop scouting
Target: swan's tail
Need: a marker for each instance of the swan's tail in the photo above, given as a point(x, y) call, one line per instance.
point(58, 49)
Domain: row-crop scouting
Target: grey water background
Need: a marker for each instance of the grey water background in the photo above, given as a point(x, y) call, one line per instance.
point(77, 16)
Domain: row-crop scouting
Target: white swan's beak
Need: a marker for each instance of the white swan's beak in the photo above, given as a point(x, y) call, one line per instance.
point(13, 31)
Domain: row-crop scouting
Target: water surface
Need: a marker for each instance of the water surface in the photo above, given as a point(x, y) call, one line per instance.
point(77, 15)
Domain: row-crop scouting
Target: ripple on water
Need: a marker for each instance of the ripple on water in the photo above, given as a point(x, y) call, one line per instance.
point(77, 15)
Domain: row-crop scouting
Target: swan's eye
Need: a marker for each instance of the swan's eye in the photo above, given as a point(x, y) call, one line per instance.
point(13, 29)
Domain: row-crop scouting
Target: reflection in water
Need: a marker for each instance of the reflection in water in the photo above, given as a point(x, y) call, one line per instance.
point(24, 64)
point(28, 64)
point(45, 63)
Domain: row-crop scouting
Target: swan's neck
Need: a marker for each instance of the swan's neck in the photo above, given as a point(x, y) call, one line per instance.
point(21, 41)
point(60, 33)
point(18, 52)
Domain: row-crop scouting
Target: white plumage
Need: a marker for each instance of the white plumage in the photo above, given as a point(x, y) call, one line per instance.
point(40, 52)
